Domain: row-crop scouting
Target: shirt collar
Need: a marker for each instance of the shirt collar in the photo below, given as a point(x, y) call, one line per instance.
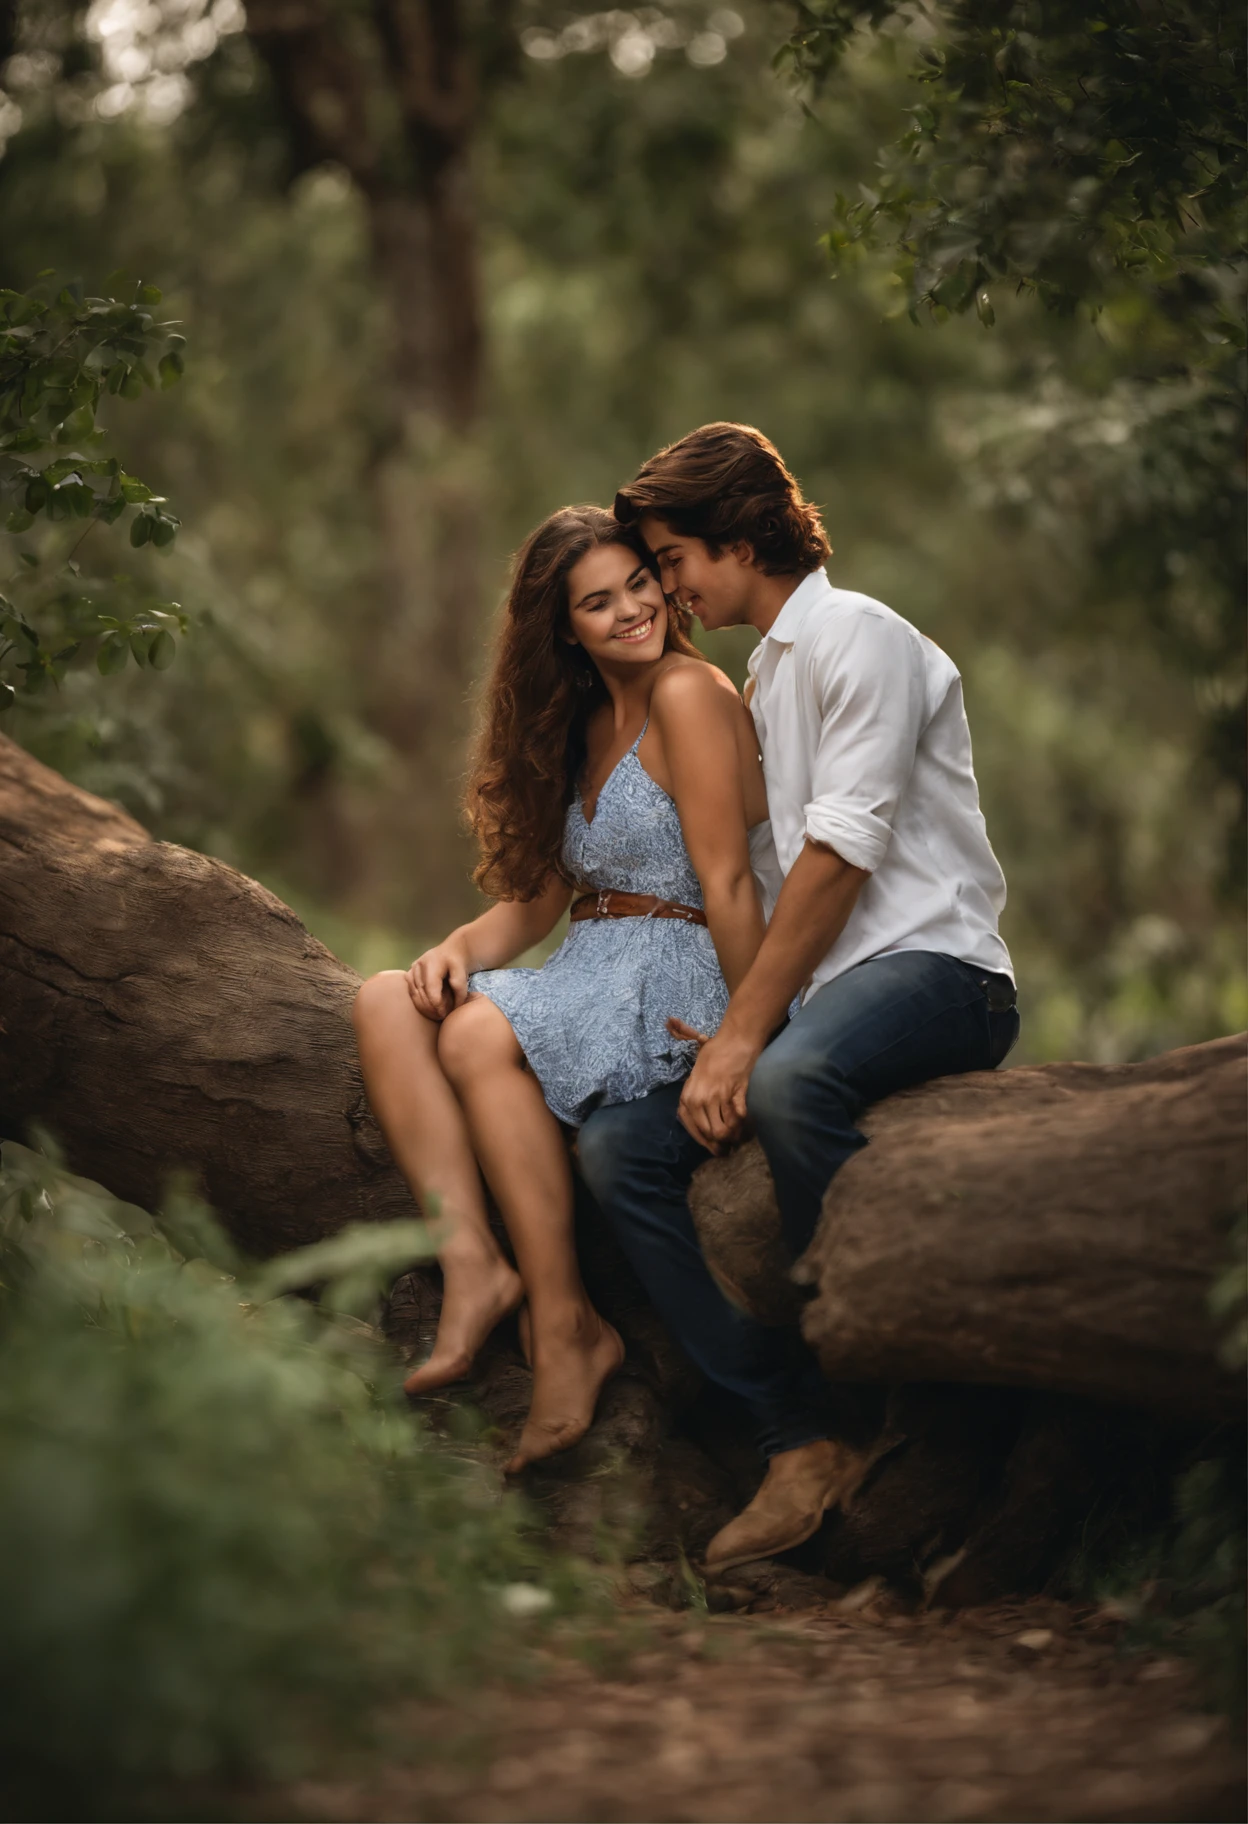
point(788, 623)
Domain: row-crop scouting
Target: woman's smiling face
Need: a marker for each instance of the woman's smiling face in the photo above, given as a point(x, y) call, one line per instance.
point(616, 609)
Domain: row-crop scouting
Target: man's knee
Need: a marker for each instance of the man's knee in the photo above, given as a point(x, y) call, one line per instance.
point(775, 1085)
point(602, 1150)
point(635, 1147)
point(789, 1089)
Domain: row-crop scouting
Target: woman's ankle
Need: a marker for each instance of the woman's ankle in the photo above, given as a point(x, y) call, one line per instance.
point(572, 1322)
point(473, 1253)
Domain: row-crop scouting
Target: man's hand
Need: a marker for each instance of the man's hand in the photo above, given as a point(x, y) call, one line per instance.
point(817, 897)
point(712, 1105)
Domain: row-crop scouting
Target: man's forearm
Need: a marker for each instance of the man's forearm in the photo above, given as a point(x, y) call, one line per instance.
point(815, 902)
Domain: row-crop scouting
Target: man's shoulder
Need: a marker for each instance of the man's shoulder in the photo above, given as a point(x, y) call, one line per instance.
point(837, 617)
point(845, 620)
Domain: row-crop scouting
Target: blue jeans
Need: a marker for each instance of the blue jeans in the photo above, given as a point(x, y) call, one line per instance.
point(889, 1023)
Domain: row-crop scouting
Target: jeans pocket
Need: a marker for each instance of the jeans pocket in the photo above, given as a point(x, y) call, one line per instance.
point(1004, 1029)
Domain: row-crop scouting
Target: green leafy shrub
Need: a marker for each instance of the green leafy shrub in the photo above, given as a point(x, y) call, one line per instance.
point(218, 1541)
point(62, 357)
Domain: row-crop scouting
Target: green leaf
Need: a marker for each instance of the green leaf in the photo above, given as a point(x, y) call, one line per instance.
point(112, 655)
point(79, 496)
point(132, 385)
point(381, 1249)
point(138, 646)
point(20, 521)
point(133, 490)
point(171, 368)
point(110, 509)
point(141, 530)
point(165, 530)
point(161, 650)
point(28, 557)
point(148, 294)
point(16, 629)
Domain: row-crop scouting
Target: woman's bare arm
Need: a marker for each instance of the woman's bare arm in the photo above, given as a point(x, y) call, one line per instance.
point(696, 720)
point(438, 980)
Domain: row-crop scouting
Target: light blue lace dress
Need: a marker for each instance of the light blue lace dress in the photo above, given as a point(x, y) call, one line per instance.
point(592, 1020)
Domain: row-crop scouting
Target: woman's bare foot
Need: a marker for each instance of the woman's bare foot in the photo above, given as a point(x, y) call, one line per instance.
point(569, 1372)
point(478, 1292)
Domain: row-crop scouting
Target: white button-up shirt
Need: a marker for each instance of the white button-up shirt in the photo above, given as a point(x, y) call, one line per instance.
point(866, 747)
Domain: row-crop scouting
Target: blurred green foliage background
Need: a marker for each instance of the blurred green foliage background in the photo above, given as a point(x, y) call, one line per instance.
point(1054, 499)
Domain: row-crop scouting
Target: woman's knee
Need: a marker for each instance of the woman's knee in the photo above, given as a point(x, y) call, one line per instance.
point(379, 996)
point(475, 1036)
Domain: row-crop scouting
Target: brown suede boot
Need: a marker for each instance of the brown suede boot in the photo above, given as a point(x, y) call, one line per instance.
point(799, 1488)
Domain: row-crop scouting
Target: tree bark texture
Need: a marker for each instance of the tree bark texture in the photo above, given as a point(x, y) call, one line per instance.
point(158, 1010)
point(1056, 1227)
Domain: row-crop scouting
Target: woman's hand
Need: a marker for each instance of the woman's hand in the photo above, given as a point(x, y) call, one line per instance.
point(679, 1029)
point(438, 980)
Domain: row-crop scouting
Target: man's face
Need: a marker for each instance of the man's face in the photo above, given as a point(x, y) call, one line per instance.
point(716, 589)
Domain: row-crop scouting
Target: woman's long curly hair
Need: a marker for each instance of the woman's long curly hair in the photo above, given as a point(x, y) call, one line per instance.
point(541, 693)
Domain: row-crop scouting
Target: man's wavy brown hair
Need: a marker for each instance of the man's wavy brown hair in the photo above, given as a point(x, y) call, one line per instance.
point(541, 693)
point(726, 484)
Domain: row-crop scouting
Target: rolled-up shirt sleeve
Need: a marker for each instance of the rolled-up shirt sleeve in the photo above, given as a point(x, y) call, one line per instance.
point(870, 695)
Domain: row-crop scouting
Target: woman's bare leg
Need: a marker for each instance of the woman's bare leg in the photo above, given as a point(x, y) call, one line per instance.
point(425, 1129)
point(522, 1153)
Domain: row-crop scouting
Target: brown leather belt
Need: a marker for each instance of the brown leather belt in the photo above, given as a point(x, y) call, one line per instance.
point(607, 904)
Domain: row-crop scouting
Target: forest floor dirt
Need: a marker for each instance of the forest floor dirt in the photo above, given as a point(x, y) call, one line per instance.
point(1027, 1711)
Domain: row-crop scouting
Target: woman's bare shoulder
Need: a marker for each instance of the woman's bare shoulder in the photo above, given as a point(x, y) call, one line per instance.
point(689, 686)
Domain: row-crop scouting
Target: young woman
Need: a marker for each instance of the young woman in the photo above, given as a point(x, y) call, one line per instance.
point(616, 770)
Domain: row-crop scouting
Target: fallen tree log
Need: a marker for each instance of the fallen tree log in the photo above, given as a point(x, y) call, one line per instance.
point(1056, 1227)
point(160, 1011)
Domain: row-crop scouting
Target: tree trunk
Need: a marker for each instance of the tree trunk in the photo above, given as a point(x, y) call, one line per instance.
point(390, 93)
point(1058, 1227)
point(160, 1011)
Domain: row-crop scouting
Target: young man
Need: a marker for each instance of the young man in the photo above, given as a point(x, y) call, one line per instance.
point(885, 926)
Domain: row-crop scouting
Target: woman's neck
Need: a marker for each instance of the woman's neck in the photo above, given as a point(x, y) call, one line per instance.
point(629, 692)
